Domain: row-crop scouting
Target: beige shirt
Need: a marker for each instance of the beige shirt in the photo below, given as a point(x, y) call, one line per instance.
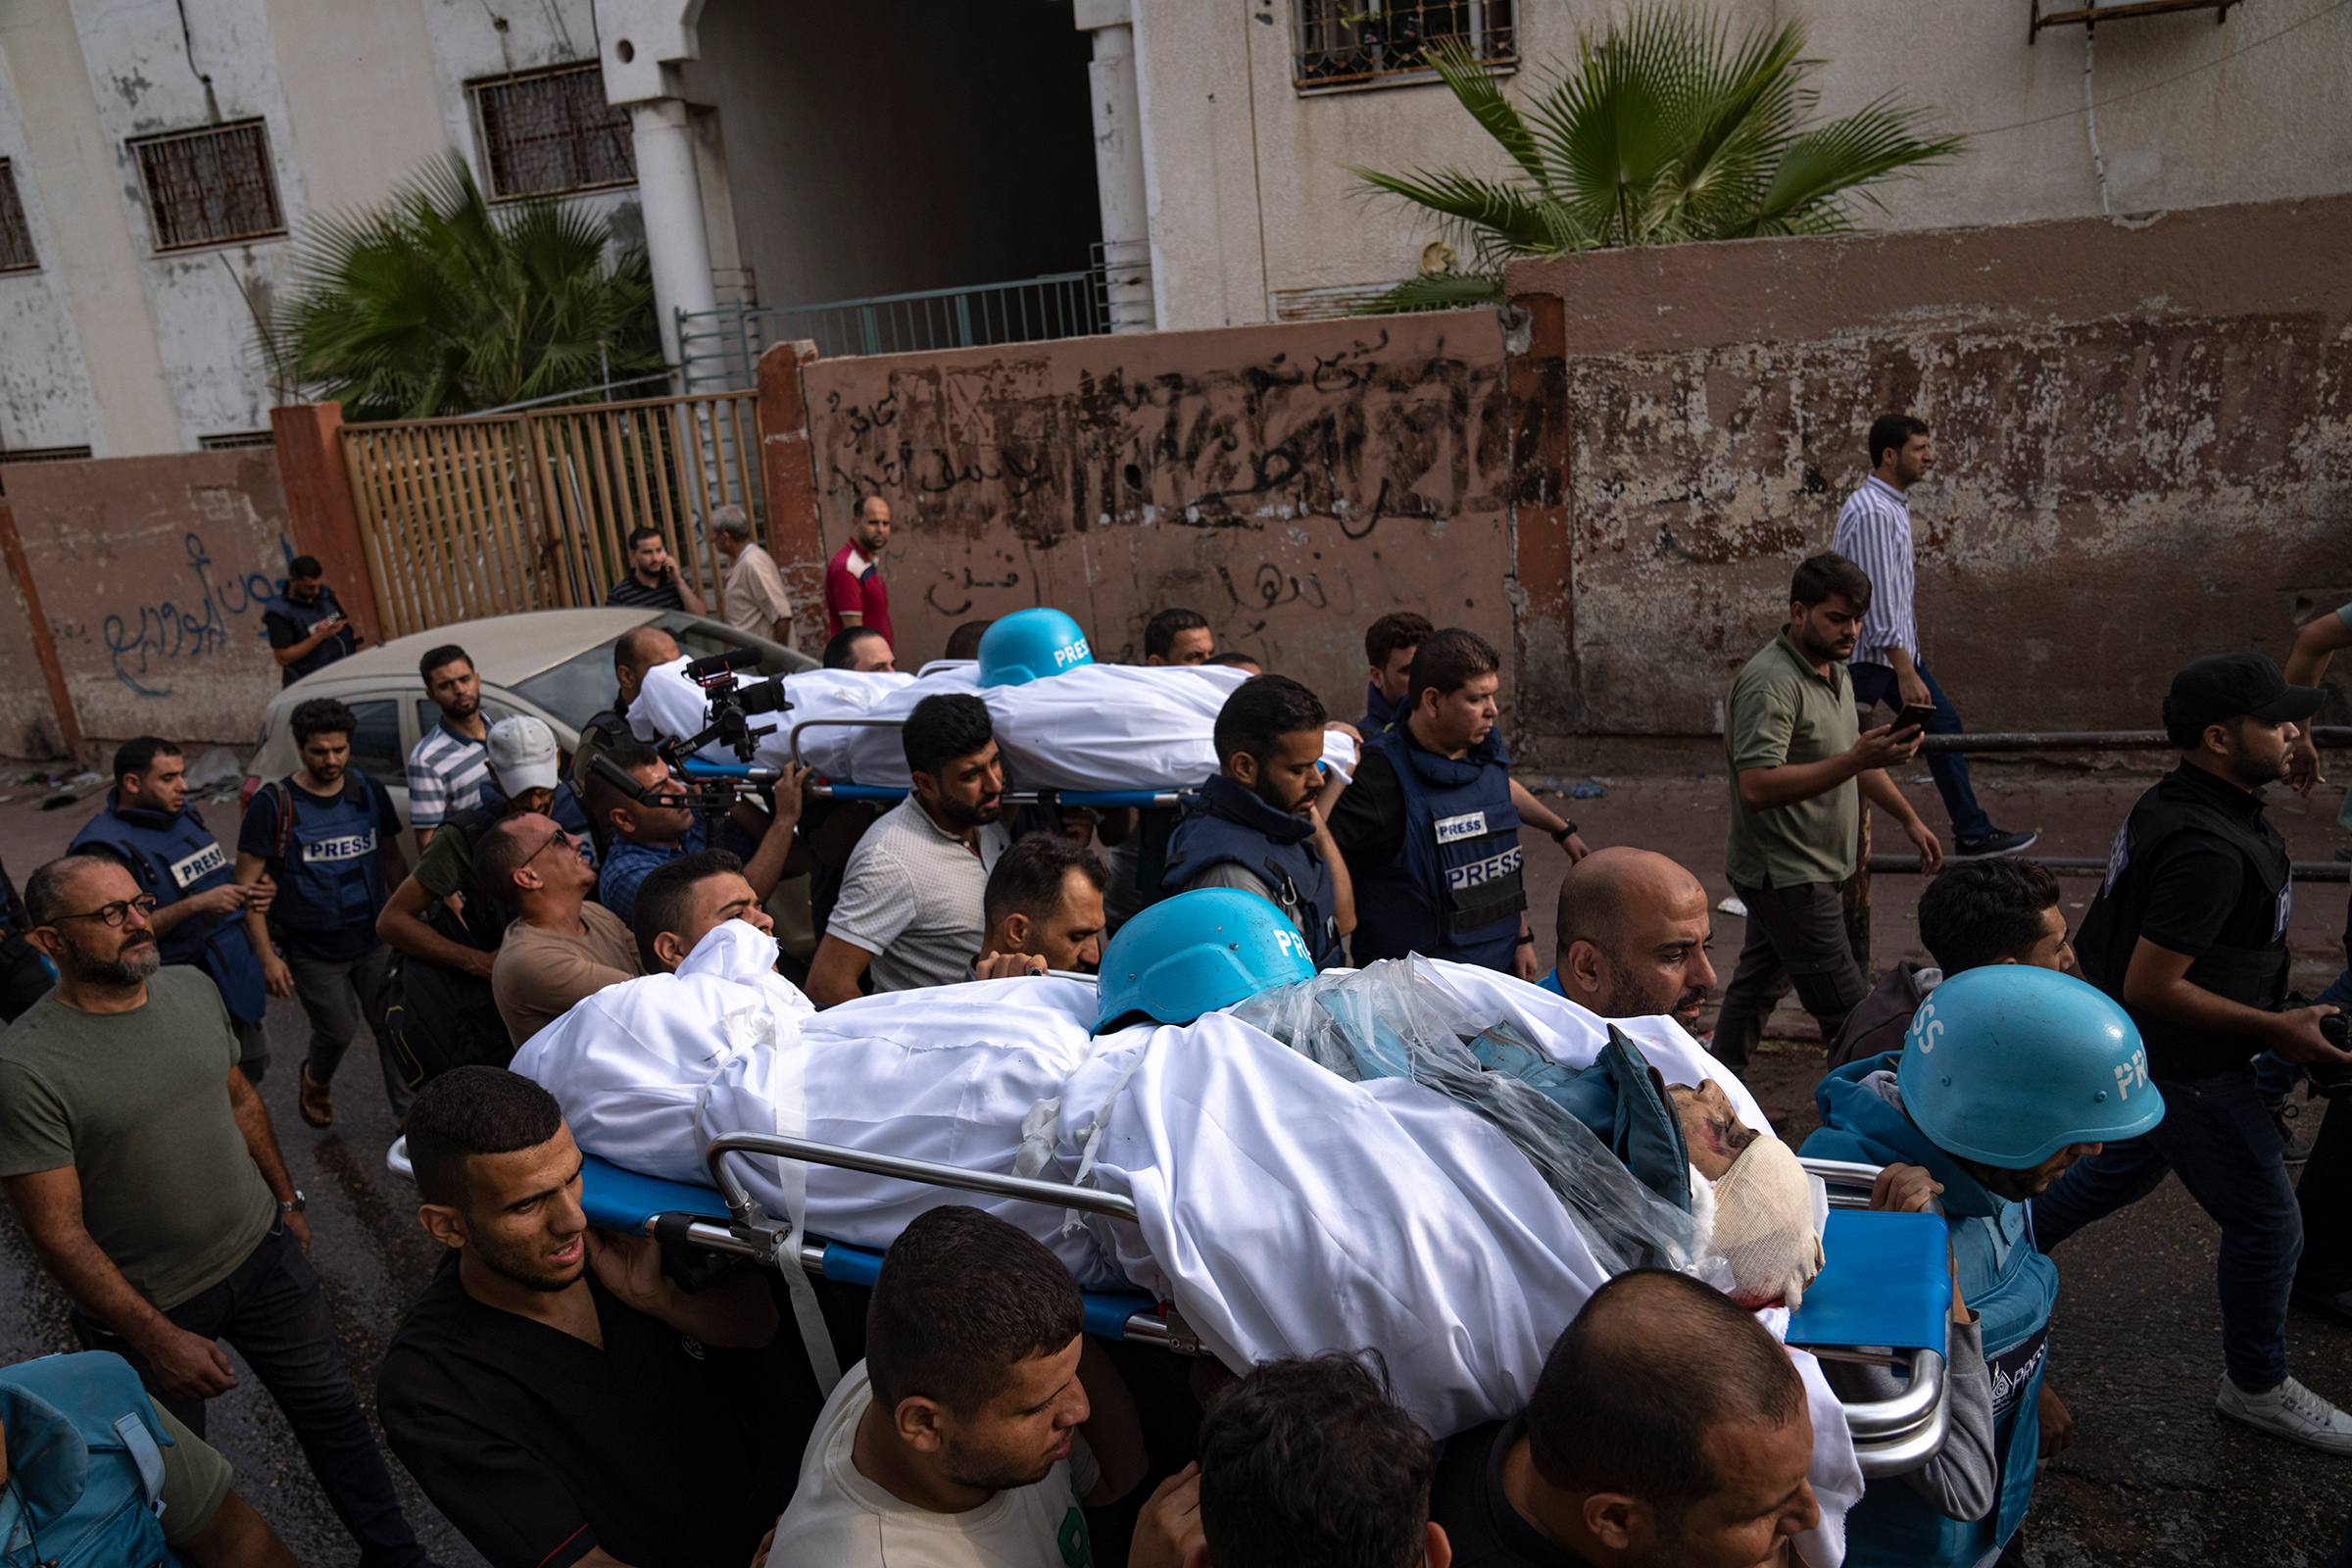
point(539, 974)
point(755, 595)
point(911, 894)
point(840, 1519)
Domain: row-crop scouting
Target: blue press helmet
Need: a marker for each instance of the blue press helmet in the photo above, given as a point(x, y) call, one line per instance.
point(1198, 951)
point(2009, 1063)
point(1030, 645)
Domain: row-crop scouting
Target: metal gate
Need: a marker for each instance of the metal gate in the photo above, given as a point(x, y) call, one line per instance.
point(488, 514)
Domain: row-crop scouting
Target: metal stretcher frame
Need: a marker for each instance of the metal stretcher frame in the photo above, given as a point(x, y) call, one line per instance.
point(1891, 1436)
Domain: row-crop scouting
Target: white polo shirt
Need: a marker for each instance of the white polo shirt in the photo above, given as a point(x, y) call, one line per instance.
point(911, 896)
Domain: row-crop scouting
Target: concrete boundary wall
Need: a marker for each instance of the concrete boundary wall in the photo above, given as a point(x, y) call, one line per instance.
point(2144, 452)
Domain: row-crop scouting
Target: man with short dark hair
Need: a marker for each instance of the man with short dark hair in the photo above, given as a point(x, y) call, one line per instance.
point(1634, 935)
point(1667, 1428)
point(1388, 647)
point(306, 627)
point(556, 1395)
point(1429, 828)
point(1260, 822)
point(1178, 636)
point(634, 652)
point(643, 831)
point(1800, 763)
point(861, 649)
point(148, 824)
point(981, 1421)
point(965, 641)
point(855, 593)
point(330, 837)
point(913, 892)
point(142, 1166)
point(1303, 1464)
point(1974, 913)
point(2188, 933)
point(684, 901)
point(451, 762)
point(561, 946)
point(1043, 910)
point(653, 580)
point(753, 588)
point(1874, 531)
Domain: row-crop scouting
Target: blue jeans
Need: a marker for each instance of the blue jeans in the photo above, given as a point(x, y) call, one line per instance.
point(2218, 1137)
point(274, 1312)
point(1875, 683)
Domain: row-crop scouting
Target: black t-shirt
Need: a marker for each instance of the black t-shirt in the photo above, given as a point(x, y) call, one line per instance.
point(540, 1446)
point(631, 593)
point(1466, 1500)
point(258, 835)
point(1367, 821)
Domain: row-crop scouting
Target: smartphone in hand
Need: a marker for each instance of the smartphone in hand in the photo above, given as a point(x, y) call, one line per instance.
point(1915, 715)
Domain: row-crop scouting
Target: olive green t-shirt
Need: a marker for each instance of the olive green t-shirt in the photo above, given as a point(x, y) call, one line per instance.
point(137, 1103)
point(196, 1481)
point(1783, 710)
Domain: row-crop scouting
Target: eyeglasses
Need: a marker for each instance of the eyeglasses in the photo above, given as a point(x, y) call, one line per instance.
point(560, 836)
point(115, 913)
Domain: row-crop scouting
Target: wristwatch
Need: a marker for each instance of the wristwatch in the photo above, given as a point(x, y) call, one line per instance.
point(1566, 828)
point(295, 1204)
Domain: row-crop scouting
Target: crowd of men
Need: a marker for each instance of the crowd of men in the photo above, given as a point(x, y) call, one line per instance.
point(568, 1395)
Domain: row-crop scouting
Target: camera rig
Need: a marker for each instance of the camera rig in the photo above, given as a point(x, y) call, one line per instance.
point(733, 703)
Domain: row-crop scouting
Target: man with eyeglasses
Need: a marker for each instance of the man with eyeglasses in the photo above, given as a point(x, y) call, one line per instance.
point(563, 947)
point(141, 1163)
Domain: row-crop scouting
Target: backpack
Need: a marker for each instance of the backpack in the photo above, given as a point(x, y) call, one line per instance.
point(85, 1466)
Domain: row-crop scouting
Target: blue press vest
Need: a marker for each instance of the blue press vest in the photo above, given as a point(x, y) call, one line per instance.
point(171, 857)
point(332, 874)
point(85, 1465)
point(1229, 824)
point(305, 617)
point(1455, 889)
point(2013, 1289)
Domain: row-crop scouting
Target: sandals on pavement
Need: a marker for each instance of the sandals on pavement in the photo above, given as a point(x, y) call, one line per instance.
point(317, 1100)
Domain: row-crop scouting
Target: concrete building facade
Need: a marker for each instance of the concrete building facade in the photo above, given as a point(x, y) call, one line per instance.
point(787, 154)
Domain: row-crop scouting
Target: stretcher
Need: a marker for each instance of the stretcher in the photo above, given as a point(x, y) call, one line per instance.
point(1884, 1298)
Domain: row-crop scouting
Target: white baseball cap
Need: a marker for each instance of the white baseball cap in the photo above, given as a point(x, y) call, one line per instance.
point(523, 756)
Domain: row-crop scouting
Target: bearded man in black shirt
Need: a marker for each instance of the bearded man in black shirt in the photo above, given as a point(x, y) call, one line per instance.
point(2188, 933)
point(557, 1397)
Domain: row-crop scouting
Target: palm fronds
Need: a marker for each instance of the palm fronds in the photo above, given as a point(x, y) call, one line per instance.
point(1665, 130)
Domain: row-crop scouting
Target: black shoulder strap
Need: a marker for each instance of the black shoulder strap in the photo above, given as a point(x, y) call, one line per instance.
point(282, 793)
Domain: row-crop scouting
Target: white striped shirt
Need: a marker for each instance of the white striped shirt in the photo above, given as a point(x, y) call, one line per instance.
point(446, 773)
point(1874, 532)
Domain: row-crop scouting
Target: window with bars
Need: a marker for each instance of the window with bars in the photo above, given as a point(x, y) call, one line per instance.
point(1345, 43)
point(235, 439)
point(553, 131)
point(212, 186)
point(15, 239)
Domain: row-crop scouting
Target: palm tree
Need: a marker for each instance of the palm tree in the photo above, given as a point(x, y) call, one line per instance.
point(1664, 133)
point(437, 304)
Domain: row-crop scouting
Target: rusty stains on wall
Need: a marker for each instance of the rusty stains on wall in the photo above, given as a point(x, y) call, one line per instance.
point(1290, 482)
point(2143, 450)
point(152, 573)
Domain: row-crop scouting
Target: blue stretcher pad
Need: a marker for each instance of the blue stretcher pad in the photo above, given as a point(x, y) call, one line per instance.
point(1885, 1282)
point(618, 1200)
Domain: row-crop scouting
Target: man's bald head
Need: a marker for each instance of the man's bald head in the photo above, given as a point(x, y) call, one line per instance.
point(1633, 936)
point(637, 651)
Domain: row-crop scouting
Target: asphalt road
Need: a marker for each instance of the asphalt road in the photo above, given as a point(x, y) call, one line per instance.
point(2155, 1477)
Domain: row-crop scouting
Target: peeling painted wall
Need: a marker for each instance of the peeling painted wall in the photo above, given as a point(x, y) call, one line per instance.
point(151, 572)
point(2143, 440)
point(1292, 483)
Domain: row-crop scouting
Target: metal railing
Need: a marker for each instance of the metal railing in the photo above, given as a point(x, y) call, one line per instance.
point(719, 350)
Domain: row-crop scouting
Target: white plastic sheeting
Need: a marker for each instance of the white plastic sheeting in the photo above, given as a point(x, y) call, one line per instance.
point(1096, 727)
point(1283, 1210)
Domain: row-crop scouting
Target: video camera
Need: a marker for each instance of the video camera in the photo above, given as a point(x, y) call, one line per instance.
point(2329, 1080)
point(733, 703)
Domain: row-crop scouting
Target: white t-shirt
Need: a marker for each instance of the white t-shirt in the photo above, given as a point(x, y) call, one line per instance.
point(912, 896)
point(840, 1519)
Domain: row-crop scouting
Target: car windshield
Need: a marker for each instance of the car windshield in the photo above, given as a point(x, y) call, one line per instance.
point(581, 687)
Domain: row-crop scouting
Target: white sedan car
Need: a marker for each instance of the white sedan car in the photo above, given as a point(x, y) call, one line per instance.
point(554, 665)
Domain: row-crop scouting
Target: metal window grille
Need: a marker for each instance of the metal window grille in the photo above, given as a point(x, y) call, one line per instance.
point(15, 239)
point(553, 131)
point(1347, 42)
point(235, 439)
point(43, 454)
point(212, 186)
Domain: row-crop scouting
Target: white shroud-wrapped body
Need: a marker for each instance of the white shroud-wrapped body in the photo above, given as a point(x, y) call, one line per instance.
point(1283, 1210)
point(1096, 727)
